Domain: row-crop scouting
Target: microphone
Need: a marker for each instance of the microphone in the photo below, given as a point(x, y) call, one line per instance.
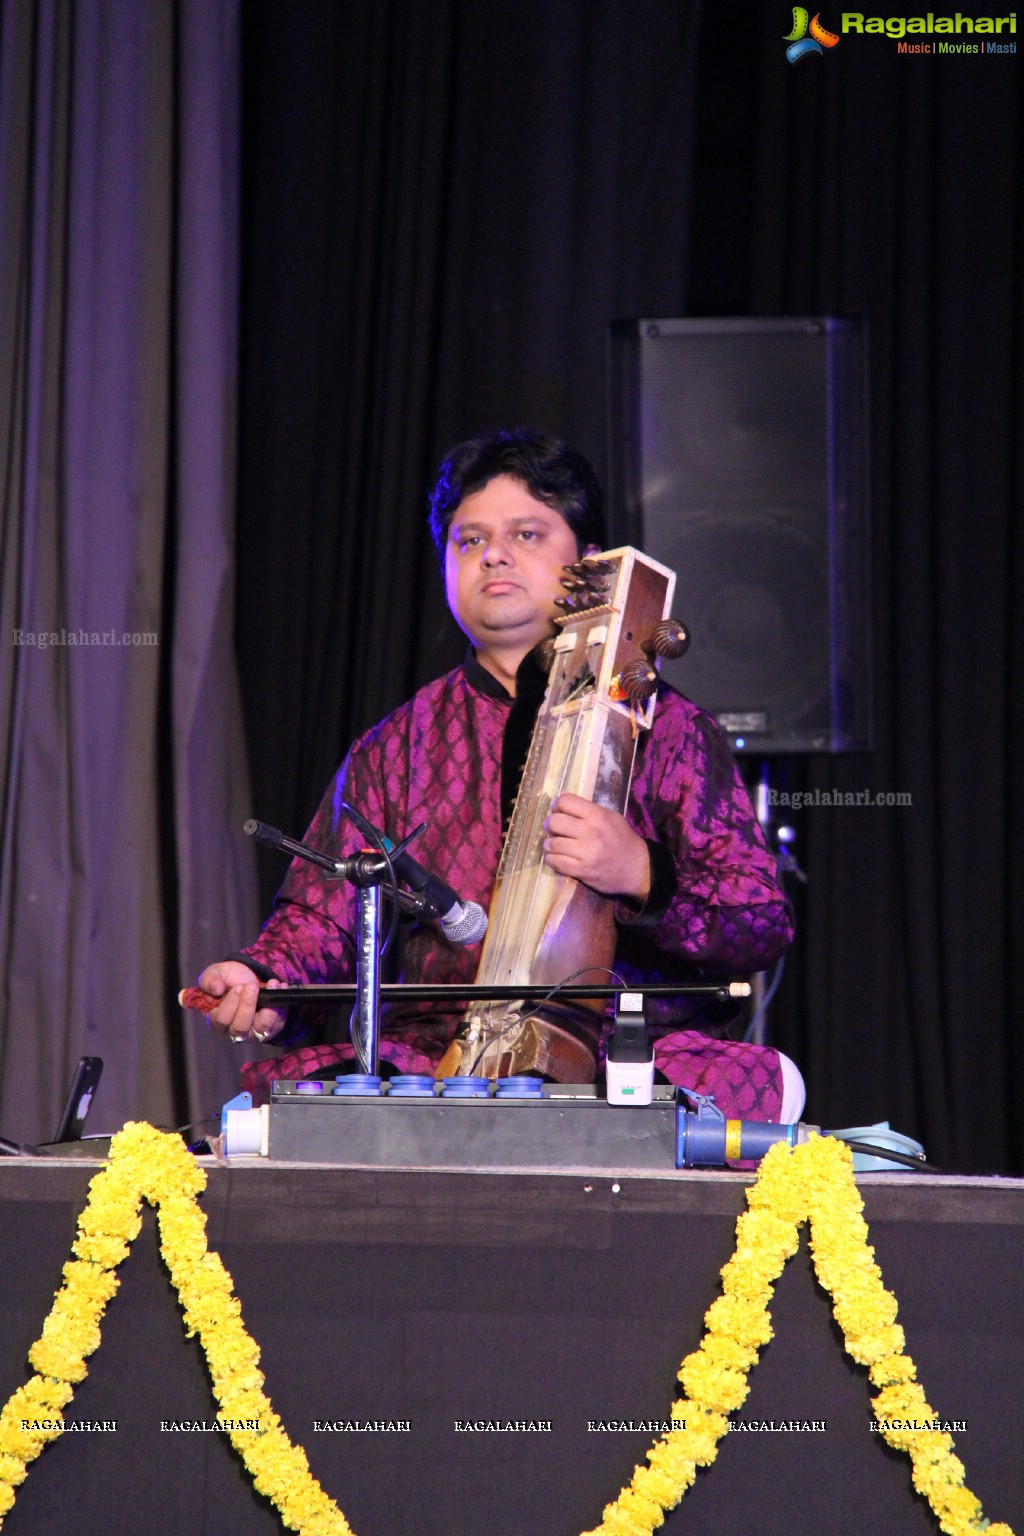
point(362, 869)
point(462, 922)
point(273, 837)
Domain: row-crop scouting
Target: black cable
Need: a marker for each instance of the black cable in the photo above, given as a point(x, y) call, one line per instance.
point(532, 1013)
point(906, 1159)
point(773, 986)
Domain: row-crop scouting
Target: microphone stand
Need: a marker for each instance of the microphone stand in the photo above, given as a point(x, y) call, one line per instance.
point(365, 1025)
point(366, 871)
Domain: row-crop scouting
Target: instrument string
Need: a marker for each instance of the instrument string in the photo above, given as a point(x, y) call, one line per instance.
point(503, 959)
point(521, 852)
point(539, 808)
point(516, 945)
point(533, 835)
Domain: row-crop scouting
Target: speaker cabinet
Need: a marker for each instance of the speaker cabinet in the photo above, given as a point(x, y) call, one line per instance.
point(738, 457)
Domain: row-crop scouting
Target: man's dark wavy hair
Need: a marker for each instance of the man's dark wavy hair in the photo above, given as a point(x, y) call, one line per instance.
point(550, 469)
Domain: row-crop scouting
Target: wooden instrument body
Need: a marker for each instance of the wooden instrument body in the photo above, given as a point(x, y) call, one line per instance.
point(546, 927)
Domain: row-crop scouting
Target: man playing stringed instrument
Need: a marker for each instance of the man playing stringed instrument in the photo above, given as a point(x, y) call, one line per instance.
point(694, 887)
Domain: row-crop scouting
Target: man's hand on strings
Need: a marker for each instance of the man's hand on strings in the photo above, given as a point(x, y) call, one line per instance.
point(598, 846)
point(237, 1015)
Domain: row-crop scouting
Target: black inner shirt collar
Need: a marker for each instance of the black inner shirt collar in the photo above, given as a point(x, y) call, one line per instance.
point(531, 681)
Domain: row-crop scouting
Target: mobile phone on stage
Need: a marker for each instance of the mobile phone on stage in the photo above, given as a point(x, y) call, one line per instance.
point(79, 1099)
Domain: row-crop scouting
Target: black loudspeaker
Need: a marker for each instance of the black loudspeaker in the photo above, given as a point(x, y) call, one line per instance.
point(738, 457)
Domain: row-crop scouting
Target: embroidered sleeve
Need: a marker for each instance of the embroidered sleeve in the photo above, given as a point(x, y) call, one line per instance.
point(717, 902)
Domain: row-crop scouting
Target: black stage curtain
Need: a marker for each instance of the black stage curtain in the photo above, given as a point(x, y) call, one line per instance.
point(443, 207)
point(874, 183)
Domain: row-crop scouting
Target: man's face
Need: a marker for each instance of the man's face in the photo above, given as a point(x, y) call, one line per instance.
point(503, 565)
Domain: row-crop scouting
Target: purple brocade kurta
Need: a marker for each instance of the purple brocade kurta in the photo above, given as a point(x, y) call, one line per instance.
point(438, 759)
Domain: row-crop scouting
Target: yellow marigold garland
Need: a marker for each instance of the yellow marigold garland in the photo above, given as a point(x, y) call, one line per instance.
point(146, 1164)
point(814, 1181)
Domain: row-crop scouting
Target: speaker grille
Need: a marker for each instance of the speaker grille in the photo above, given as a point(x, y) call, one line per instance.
point(737, 459)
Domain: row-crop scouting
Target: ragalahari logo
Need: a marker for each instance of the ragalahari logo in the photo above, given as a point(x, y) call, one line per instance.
point(808, 35)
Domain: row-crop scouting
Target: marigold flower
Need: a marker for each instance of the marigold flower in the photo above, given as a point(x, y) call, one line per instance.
point(811, 1182)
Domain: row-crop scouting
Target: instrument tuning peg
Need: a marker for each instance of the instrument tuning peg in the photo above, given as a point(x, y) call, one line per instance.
point(597, 567)
point(637, 681)
point(669, 639)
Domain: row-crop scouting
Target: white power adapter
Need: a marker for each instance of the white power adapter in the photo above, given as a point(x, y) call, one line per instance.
point(630, 1065)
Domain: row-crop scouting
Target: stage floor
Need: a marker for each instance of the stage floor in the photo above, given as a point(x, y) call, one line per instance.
point(563, 1298)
